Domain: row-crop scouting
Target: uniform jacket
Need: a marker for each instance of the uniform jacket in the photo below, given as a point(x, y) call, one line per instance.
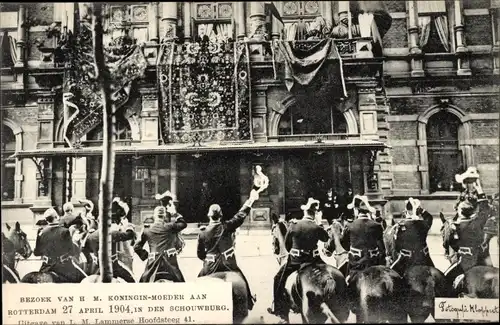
point(366, 245)
point(218, 238)
point(118, 234)
point(303, 235)
point(55, 241)
point(412, 239)
point(470, 236)
point(162, 238)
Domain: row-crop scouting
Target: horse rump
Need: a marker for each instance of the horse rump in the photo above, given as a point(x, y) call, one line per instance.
point(41, 277)
point(482, 282)
point(381, 295)
point(326, 291)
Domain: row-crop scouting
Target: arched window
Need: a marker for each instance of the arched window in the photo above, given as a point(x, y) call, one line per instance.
point(123, 130)
point(8, 171)
point(308, 120)
point(445, 157)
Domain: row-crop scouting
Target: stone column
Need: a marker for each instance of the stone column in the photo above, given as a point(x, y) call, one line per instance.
point(328, 13)
point(21, 36)
point(149, 117)
point(276, 24)
point(173, 175)
point(240, 19)
point(169, 20)
point(187, 21)
point(415, 51)
point(79, 179)
point(495, 32)
point(153, 21)
point(459, 28)
point(423, 168)
point(258, 29)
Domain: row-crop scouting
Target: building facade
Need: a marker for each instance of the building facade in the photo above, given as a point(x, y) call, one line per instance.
point(409, 99)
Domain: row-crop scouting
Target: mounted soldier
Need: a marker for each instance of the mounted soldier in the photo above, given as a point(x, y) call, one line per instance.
point(301, 241)
point(121, 230)
point(364, 236)
point(161, 237)
point(55, 245)
point(411, 238)
point(216, 242)
point(88, 217)
point(466, 238)
point(70, 218)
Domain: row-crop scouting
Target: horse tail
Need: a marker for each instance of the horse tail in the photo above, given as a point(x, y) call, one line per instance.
point(329, 288)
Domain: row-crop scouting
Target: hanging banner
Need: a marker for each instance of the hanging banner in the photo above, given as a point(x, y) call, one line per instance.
point(205, 89)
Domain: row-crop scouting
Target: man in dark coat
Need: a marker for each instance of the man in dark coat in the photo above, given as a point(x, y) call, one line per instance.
point(468, 236)
point(216, 242)
point(365, 237)
point(161, 237)
point(121, 230)
point(411, 238)
point(55, 245)
point(330, 207)
point(345, 212)
point(301, 241)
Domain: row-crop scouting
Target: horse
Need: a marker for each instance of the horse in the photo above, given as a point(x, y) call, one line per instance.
point(479, 281)
point(377, 290)
point(239, 291)
point(317, 292)
point(14, 243)
point(423, 283)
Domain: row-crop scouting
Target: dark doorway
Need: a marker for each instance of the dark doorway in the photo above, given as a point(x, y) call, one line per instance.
point(123, 185)
point(307, 174)
point(206, 180)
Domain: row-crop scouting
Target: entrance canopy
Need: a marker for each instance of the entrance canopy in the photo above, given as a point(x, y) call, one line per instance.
point(202, 148)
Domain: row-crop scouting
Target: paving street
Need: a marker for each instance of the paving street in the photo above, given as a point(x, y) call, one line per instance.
point(254, 255)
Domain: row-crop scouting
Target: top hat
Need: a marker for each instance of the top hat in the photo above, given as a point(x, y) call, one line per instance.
point(470, 174)
point(361, 203)
point(310, 202)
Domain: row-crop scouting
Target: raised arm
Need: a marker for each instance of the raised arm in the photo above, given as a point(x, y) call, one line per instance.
point(179, 223)
point(127, 234)
point(483, 208)
point(138, 247)
point(238, 219)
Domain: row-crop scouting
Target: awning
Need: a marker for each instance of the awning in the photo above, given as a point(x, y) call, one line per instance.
point(189, 149)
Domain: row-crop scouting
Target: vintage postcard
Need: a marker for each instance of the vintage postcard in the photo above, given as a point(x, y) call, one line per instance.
point(255, 162)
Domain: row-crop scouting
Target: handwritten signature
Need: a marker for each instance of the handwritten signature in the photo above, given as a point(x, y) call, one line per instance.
point(463, 309)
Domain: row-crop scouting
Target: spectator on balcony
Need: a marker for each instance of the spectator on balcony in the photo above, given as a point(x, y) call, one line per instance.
point(318, 29)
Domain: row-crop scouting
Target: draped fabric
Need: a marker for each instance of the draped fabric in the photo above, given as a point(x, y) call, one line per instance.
point(205, 90)
point(311, 68)
point(441, 23)
point(8, 55)
point(81, 99)
point(424, 24)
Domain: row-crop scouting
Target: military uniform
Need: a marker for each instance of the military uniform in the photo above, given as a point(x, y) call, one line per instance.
point(118, 234)
point(411, 243)
point(162, 238)
point(468, 240)
point(366, 245)
point(55, 245)
point(301, 241)
point(216, 247)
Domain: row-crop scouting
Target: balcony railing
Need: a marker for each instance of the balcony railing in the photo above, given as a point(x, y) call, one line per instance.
point(314, 137)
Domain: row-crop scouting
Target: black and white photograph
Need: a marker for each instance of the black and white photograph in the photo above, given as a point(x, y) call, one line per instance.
point(250, 162)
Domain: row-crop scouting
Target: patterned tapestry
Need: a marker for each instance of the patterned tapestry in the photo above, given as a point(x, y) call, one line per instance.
point(82, 104)
point(205, 89)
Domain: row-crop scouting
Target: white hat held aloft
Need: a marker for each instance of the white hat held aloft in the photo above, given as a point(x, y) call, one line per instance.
point(470, 174)
point(310, 202)
point(360, 202)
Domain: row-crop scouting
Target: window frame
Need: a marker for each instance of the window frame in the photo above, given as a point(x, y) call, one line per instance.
point(214, 19)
